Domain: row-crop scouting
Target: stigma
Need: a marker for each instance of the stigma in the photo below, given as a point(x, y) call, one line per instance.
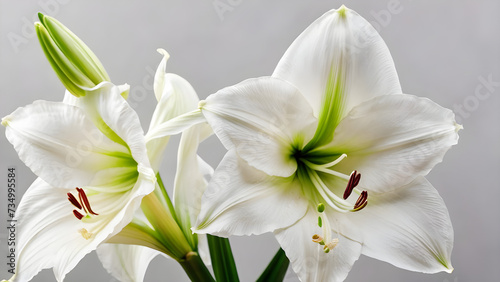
point(81, 203)
point(326, 240)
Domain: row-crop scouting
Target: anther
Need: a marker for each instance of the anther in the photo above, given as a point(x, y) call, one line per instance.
point(78, 215)
point(85, 201)
point(318, 239)
point(362, 201)
point(74, 201)
point(328, 247)
point(352, 183)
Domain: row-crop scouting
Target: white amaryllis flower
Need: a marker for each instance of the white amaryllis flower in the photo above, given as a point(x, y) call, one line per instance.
point(125, 262)
point(299, 141)
point(91, 159)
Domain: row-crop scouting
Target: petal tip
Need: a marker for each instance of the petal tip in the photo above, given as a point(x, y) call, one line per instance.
point(458, 127)
point(201, 104)
point(6, 120)
point(342, 11)
point(163, 52)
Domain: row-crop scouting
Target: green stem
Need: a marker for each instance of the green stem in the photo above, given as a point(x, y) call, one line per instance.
point(276, 270)
point(222, 259)
point(166, 197)
point(195, 268)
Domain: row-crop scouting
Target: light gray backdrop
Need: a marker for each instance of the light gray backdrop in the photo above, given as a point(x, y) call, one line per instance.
point(442, 49)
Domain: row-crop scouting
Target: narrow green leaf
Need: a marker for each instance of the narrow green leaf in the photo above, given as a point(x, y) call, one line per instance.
point(276, 269)
point(222, 259)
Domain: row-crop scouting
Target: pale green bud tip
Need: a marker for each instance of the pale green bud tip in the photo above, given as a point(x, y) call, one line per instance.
point(74, 63)
point(321, 207)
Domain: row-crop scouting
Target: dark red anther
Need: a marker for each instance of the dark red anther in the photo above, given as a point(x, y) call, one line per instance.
point(352, 183)
point(77, 214)
point(362, 201)
point(74, 201)
point(85, 201)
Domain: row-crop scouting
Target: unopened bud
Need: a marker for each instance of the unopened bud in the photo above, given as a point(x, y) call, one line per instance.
point(75, 64)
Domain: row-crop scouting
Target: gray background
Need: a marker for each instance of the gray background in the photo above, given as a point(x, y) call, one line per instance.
point(441, 50)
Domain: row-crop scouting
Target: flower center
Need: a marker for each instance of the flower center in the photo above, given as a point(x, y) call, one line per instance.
point(310, 172)
point(81, 203)
point(83, 206)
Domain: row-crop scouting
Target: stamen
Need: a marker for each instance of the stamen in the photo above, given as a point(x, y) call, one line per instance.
point(78, 215)
point(352, 183)
point(318, 239)
point(74, 201)
point(330, 198)
point(324, 169)
point(85, 201)
point(338, 160)
point(333, 243)
point(361, 202)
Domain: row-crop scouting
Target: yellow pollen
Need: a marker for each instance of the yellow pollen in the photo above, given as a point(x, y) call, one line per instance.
point(85, 234)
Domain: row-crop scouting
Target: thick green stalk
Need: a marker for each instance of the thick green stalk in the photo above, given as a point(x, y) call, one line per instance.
point(195, 268)
point(222, 259)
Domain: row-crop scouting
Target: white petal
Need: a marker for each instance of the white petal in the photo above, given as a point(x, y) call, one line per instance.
point(308, 259)
point(263, 119)
point(105, 103)
point(178, 97)
point(60, 144)
point(159, 82)
point(175, 126)
point(393, 139)
point(203, 249)
point(241, 200)
point(175, 97)
point(70, 99)
point(339, 40)
point(409, 228)
point(127, 263)
point(190, 182)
